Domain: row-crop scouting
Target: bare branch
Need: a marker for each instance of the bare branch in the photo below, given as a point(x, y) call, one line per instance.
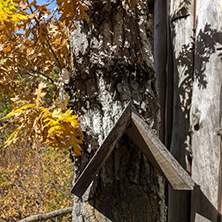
point(39, 74)
point(35, 73)
point(48, 215)
point(53, 52)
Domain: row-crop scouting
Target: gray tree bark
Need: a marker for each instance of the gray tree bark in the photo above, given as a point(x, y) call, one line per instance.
point(160, 56)
point(196, 124)
point(113, 64)
point(206, 110)
point(178, 98)
point(50, 215)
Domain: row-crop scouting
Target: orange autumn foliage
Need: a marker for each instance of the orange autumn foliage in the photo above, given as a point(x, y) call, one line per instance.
point(34, 45)
point(33, 180)
point(34, 48)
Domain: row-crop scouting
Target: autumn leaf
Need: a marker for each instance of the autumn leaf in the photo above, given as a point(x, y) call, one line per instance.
point(82, 14)
point(39, 92)
point(19, 110)
point(34, 48)
point(30, 178)
point(53, 126)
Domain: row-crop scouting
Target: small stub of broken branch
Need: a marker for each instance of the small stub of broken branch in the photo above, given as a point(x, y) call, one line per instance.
point(49, 215)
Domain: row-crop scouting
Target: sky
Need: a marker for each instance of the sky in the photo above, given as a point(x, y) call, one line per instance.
point(51, 6)
point(41, 2)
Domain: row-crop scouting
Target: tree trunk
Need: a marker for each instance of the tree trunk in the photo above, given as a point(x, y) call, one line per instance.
point(197, 107)
point(181, 26)
point(206, 110)
point(160, 56)
point(113, 64)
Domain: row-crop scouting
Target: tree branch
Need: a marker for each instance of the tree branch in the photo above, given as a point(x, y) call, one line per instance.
point(48, 215)
point(39, 74)
point(50, 47)
point(53, 52)
point(32, 72)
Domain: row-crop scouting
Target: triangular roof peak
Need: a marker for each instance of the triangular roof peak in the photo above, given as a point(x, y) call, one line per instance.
point(145, 140)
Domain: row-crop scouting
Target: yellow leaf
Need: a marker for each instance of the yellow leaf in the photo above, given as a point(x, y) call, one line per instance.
point(39, 93)
point(20, 110)
point(56, 129)
point(74, 122)
point(13, 137)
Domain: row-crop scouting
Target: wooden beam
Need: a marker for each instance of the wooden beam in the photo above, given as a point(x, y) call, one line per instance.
point(171, 169)
point(102, 153)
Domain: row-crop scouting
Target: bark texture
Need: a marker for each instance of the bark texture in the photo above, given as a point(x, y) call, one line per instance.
point(160, 56)
point(206, 108)
point(181, 24)
point(112, 65)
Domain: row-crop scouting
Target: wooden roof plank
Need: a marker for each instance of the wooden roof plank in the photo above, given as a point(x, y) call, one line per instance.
point(146, 141)
point(172, 170)
point(133, 133)
point(101, 155)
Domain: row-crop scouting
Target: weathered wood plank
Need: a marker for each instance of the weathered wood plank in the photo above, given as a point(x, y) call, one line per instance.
point(147, 142)
point(102, 153)
point(200, 218)
point(206, 106)
point(203, 210)
point(133, 133)
point(171, 169)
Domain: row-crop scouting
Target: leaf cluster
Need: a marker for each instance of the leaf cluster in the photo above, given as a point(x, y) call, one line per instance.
point(52, 126)
point(34, 41)
point(34, 45)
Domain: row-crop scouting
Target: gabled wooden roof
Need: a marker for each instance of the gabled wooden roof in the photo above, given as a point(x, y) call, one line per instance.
point(145, 140)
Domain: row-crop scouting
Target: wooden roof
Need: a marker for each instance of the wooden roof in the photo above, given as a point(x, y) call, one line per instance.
point(145, 140)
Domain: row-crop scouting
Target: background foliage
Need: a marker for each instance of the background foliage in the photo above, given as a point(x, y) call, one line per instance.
point(37, 130)
point(33, 180)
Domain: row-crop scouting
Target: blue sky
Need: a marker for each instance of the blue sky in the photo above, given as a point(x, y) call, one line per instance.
point(41, 2)
point(51, 6)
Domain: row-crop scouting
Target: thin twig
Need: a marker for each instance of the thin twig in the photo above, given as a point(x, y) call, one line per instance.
point(53, 52)
point(39, 74)
point(50, 47)
point(36, 73)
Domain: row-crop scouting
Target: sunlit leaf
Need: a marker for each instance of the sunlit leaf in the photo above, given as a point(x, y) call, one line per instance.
point(20, 110)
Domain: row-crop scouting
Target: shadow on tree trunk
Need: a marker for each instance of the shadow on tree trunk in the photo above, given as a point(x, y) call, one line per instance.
point(203, 206)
